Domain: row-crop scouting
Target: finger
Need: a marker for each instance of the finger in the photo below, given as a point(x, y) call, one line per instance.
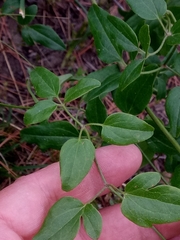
point(116, 226)
point(25, 203)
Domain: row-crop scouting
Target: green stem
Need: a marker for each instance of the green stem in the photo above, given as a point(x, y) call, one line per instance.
point(94, 124)
point(152, 71)
point(30, 91)
point(159, 48)
point(165, 30)
point(163, 129)
point(172, 70)
point(12, 106)
point(172, 15)
point(158, 233)
point(169, 56)
point(100, 172)
point(115, 192)
point(66, 110)
point(97, 195)
point(81, 6)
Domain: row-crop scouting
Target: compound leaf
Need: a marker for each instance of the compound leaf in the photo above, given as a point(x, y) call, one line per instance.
point(83, 86)
point(39, 112)
point(44, 35)
point(49, 134)
point(45, 82)
point(92, 221)
point(62, 221)
point(147, 205)
point(173, 111)
point(76, 158)
point(148, 9)
point(124, 129)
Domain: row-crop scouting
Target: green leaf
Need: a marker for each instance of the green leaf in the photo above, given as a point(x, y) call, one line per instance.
point(92, 221)
point(10, 6)
point(146, 206)
point(173, 111)
point(44, 35)
point(175, 179)
point(177, 63)
point(176, 27)
point(39, 112)
point(173, 39)
point(49, 134)
point(144, 37)
point(96, 113)
point(148, 9)
point(31, 12)
point(124, 129)
point(45, 82)
point(135, 97)
point(83, 86)
point(131, 73)
point(76, 158)
point(62, 221)
point(64, 78)
point(126, 37)
point(104, 33)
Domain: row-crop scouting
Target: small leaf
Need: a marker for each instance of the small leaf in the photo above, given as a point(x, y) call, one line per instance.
point(10, 6)
point(31, 12)
point(83, 86)
point(124, 129)
point(126, 37)
point(49, 134)
point(45, 82)
point(44, 35)
point(147, 206)
point(76, 158)
point(39, 112)
point(135, 97)
point(62, 221)
point(92, 221)
point(144, 37)
point(96, 113)
point(148, 9)
point(173, 111)
point(64, 78)
point(104, 33)
point(131, 73)
point(109, 78)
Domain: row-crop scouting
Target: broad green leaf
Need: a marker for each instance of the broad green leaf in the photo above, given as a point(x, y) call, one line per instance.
point(148, 9)
point(76, 158)
point(81, 88)
point(175, 179)
point(45, 82)
point(31, 12)
point(44, 35)
point(146, 206)
point(62, 221)
point(92, 221)
point(144, 37)
point(49, 134)
point(10, 6)
point(124, 129)
point(64, 78)
point(131, 73)
point(135, 97)
point(39, 112)
point(173, 111)
point(126, 37)
point(107, 85)
point(96, 113)
point(104, 33)
point(173, 39)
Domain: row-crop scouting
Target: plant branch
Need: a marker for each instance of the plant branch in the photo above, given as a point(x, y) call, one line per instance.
point(159, 48)
point(158, 233)
point(152, 71)
point(163, 129)
point(12, 106)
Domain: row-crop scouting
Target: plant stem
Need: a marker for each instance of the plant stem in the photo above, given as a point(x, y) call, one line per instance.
point(81, 6)
point(172, 15)
point(158, 233)
point(115, 192)
point(100, 172)
point(172, 70)
point(169, 55)
point(66, 110)
point(12, 106)
point(152, 71)
point(94, 124)
point(159, 48)
point(97, 195)
point(163, 129)
point(165, 30)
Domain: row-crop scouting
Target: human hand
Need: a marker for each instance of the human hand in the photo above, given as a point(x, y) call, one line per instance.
point(25, 203)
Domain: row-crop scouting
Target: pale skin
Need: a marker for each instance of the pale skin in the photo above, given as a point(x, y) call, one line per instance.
point(25, 203)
